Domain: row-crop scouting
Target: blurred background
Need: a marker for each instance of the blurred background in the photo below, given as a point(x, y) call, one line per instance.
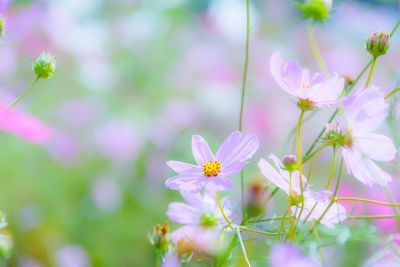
point(136, 79)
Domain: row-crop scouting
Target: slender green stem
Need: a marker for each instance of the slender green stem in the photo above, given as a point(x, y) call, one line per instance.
point(365, 200)
point(16, 101)
point(333, 197)
point(259, 232)
point(395, 28)
point(271, 196)
point(392, 93)
point(372, 217)
point(315, 49)
point(371, 70)
point(300, 157)
point(268, 220)
point(221, 209)
point(242, 246)
point(291, 229)
point(332, 168)
point(244, 82)
point(321, 253)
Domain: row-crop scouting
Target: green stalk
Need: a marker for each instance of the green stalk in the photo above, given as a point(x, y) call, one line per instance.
point(16, 101)
point(371, 70)
point(315, 49)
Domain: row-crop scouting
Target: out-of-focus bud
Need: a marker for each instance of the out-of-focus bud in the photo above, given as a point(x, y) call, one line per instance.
point(160, 237)
point(2, 26)
point(378, 43)
point(44, 66)
point(290, 163)
point(348, 80)
point(256, 199)
point(316, 10)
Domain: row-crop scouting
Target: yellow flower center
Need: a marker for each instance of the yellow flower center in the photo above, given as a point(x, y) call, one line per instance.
point(212, 168)
point(305, 104)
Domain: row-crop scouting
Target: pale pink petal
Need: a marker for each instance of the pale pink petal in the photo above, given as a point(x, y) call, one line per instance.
point(182, 167)
point(273, 175)
point(376, 146)
point(181, 213)
point(24, 125)
point(186, 182)
point(364, 169)
point(201, 151)
point(219, 183)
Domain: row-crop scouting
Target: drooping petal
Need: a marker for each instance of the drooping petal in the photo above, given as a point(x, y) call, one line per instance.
point(363, 168)
point(326, 94)
point(201, 151)
point(182, 167)
point(219, 183)
point(237, 148)
point(366, 109)
point(186, 182)
point(181, 213)
point(273, 175)
point(376, 146)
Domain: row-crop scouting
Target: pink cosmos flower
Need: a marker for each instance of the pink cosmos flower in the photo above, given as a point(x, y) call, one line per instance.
point(24, 125)
point(201, 218)
point(289, 255)
point(311, 90)
point(211, 171)
point(365, 110)
point(281, 178)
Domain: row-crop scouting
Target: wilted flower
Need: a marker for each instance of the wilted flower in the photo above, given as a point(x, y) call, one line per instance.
point(44, 66)
point(160, 237)
point(378, 43)
point(281, 178)
point(213, 172)
point(365, 110)
point(289, 255)
point(314, 91)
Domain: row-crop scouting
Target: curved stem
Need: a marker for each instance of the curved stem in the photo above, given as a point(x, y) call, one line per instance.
point(365, 200)
point(315, 49)
point(395, 28)
point(332, 168)
point(371, 70)
point(269, 220)
point(242, 246)
point(16, 101)
point(221, 209)
point(392, 93)
point(319, 149)
point(244, 82)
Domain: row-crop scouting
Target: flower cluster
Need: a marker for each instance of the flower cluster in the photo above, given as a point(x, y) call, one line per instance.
point(353, 135)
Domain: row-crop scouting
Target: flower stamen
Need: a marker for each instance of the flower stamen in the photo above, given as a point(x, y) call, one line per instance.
point(212, 168)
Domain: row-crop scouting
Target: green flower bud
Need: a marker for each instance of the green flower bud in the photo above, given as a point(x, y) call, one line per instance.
point(378, 43)
point(290, 163)
point(316, 10)
point(44, 66)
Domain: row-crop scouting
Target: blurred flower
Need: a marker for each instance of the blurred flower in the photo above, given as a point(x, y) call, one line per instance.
point(171, 260)
point(256, 198)
point(118, 140)
point(211, 171)
point(202, 221)
point(29, 217)
point(311, 91)
point(378, 43)
point(44, 66)
point(315, 203)
point(24, 125)
point(63, 148)
point(106, 195)
point(28, 262)
point(289, 255)
point(72, 255)
point(365, 110)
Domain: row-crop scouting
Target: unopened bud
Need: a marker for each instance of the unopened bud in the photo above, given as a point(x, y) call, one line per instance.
point(378, 43)
point(160, 237)
point(256, 199)
point(316, 10)
point(290, 163)
point(44, 66)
